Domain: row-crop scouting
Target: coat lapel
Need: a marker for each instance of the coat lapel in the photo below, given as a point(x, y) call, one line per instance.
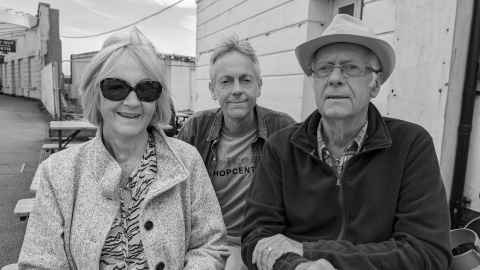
point(171, 170)
point(98, 198)
point(97, 204)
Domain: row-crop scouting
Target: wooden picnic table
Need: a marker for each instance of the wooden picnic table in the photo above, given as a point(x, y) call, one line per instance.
point(73, 126)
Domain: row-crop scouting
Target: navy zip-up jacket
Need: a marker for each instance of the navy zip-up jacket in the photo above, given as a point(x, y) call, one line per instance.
point(390, 201)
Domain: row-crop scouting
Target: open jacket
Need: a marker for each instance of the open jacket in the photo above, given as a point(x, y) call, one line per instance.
point(387, 211)
point(188, 230)
point(204, 129)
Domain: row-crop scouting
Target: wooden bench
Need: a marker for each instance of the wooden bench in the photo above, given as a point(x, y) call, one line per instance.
point(50, 148)
point(12, 266)
point(23, 208)
point(53, 146)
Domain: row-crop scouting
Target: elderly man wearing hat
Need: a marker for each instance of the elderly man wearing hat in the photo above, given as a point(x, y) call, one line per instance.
point(347, 188)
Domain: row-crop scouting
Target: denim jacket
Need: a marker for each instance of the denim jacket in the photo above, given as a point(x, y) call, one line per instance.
point(203, 131)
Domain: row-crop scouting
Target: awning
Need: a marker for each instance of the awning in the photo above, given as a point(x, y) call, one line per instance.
point(14, 22)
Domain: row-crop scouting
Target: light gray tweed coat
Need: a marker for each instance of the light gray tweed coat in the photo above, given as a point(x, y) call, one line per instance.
point(188, 230)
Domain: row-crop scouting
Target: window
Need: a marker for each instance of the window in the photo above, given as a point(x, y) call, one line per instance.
point(350, 7)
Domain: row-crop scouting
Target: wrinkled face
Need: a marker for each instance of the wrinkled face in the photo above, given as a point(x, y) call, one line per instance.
point(339, 95)
point(128, 117)
point(235, 86)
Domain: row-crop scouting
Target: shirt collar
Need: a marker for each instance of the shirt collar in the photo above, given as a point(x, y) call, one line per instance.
point(216, 129)
point(356, 144)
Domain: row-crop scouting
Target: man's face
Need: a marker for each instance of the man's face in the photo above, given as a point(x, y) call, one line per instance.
point(339, 95)
point(235, 85)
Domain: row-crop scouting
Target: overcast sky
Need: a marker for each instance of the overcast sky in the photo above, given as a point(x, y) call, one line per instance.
point(172, 31)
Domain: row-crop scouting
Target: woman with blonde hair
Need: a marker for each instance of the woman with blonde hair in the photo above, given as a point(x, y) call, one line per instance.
point(131, 198)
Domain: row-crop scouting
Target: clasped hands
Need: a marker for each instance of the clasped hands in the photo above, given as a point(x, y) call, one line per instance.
point(269, 249)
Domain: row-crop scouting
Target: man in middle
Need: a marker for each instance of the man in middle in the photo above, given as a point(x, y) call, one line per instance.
point(230, 138)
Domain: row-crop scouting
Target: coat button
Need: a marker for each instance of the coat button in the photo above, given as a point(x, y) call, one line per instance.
point(148, 226)
point(160, 266)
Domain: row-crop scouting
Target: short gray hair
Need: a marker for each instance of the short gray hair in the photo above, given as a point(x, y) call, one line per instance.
point(234, 44)
point(135, 44)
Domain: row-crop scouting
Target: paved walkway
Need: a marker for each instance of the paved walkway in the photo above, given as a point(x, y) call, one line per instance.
point(23, 128)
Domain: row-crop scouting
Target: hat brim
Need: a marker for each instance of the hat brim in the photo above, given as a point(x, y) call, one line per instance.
point(381, 48)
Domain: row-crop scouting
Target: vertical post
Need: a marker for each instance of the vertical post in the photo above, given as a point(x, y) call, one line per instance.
point(457, 200)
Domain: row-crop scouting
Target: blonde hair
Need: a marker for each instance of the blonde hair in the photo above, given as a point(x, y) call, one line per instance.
point(135, 44)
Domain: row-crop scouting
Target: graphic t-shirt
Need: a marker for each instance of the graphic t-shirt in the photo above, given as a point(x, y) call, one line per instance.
point(232, 177)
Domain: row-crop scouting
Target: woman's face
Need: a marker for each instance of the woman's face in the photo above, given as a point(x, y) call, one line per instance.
point(129, 117)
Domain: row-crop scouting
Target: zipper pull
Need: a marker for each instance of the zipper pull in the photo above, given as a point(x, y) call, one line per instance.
point(339, 183)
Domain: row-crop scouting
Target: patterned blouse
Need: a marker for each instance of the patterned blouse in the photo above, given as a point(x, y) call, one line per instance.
point(123, 247)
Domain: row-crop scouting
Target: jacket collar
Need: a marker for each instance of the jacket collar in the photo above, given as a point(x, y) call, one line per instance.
point(170, 168)
point(377, 136)
point(216, 127)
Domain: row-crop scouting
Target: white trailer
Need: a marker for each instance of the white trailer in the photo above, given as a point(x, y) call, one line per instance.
point(179, 73)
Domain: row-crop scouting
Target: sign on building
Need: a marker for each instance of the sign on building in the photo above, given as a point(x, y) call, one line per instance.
point(7, 46)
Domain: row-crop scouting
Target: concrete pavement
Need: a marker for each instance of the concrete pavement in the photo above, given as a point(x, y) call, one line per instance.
point(23, 128)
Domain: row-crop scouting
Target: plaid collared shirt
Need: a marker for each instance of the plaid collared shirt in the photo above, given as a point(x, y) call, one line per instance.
point(338, 164)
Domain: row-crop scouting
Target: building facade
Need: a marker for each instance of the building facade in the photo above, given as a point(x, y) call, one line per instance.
point(37, 45)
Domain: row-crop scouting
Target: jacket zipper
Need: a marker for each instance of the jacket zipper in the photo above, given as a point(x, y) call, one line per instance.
point(341, 233)
point(339, 183)
point(340, 197)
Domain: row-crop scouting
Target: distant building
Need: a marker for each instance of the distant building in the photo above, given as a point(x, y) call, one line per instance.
point(37, 45)
point(179, 72)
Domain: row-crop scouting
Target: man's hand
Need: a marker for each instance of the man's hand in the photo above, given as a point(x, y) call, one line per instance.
point(320, 264)
point(269, 249)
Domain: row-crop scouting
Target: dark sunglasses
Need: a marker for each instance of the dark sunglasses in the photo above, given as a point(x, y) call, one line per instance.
point(117, 89)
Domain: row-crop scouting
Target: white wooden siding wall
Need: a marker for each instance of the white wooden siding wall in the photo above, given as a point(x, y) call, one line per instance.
point(7, 85)
point(36, 77)
point(31, 43)
point(21, 84)
point(20, 76)
point(422, 34)
point(274, 28)
point(27, 45)
point(18, 90)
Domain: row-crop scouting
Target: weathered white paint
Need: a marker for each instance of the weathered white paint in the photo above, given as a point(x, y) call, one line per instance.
point(78, 62)
point(31, 43)
point(180, 82)
point(274, 28)
point(421, 31)
point(48, 90)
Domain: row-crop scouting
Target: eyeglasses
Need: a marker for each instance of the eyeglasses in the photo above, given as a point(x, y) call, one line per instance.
point(117, 89)
point(323, 70)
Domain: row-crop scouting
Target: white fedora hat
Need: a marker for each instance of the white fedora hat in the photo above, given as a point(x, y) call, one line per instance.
point(347, 29)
